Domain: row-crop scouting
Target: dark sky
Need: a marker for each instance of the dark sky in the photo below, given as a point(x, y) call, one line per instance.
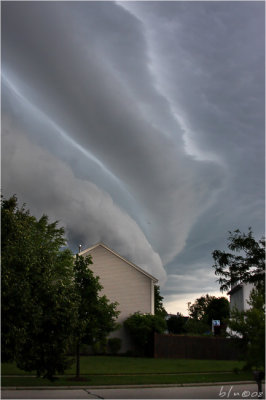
point(139, 124)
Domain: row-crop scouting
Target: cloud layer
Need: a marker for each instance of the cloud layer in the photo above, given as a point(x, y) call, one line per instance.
point(140, 123)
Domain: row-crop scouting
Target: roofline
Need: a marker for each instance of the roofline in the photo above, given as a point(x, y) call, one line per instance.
point(122, 258)
point(235, 289)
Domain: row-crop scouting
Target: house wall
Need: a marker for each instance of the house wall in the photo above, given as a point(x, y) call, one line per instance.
point(124, 284)
point(236, 300)
point(240, 298)
point(246, 293)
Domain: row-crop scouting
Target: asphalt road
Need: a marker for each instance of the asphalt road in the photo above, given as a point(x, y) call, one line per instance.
point(237, 391)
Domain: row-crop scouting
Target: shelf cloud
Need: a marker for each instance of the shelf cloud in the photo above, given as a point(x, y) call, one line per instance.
point(139, 124)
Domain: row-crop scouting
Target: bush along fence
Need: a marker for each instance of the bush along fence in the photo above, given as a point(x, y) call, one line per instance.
point(195, 347)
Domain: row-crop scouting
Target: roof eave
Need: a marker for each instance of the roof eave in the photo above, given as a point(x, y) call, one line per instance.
point(155, 280)
point(235, 289)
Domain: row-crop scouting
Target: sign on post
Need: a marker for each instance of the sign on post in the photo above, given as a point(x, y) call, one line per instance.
point(215, 322)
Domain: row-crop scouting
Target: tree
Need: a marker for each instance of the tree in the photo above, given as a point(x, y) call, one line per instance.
point(250, 326)
point(176, 324)
point(246, 265)
point(218, 308)
point(96, 316)
point(196, 327)
point(205, 309)
point(47, 297)
point(142, 328)
point(158, 302)
point(37, 292)
point(198, 309)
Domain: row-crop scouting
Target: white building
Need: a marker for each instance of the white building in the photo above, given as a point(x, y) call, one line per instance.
point(124, 282)
point(239, 296)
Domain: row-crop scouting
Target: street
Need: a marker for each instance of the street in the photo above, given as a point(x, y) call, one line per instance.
point(231, 391)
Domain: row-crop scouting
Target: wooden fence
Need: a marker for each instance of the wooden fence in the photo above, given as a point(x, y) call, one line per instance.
point(195, 347)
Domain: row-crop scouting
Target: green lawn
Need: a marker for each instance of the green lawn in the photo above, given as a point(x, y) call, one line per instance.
point(128, 380)
point(98, 365)
point(105, 370)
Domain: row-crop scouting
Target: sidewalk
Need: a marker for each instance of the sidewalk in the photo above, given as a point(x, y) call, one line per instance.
point(235, 390)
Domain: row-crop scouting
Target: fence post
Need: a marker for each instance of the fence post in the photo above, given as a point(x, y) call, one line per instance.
point(154, 345)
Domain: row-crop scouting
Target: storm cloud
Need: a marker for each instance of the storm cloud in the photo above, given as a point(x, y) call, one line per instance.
point(139, 124)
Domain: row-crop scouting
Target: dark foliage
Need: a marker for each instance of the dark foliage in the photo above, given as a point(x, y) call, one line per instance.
point(245, 265)
point(96, 315)
point(207, 308)
point(250, 326)
point(37, 292)
point(158, 302)
point(142, 328)
point(176, 324)
point(114, 345)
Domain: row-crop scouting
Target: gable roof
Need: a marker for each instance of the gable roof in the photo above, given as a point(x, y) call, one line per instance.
point(119, 256)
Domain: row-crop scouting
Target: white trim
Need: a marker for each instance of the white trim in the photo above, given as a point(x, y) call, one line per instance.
point(152, 298)
point(122, 258)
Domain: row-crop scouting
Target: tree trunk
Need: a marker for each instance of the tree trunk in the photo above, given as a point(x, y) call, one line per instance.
point(77, 361)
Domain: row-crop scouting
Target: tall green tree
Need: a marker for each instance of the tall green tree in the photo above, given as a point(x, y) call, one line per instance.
point(207, 308)
point(158, 302)
point(38, 296)
point(96, 316)
point(245, 265)
point(197, 310)
point(250, 326)
point(218, 308)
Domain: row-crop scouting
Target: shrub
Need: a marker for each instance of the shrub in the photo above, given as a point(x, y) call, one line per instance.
point(114, 345)
point(196, 327)
point(176, 324)
point(141, 328)
point(85, 349)
point(100, 346)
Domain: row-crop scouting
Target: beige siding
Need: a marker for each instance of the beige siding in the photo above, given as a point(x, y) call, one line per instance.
point(124, 284)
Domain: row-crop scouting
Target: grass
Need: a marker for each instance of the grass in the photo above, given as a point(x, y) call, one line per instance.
point(99, 365)
point(106, 370)
point(95, 380)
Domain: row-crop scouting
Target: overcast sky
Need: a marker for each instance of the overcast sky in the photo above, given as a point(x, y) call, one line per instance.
point(139, 124)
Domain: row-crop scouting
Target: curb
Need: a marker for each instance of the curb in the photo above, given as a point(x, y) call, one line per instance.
point(126, 386)
point(129, 374)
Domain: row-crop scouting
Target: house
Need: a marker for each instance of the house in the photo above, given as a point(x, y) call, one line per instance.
point(239, 296)
point(124, 282)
